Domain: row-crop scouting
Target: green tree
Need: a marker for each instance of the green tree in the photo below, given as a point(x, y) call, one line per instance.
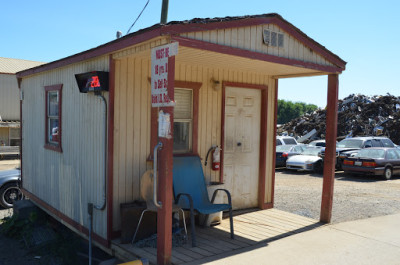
point(287, 110)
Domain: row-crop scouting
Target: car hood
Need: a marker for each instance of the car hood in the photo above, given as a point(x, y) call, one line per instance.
point(9, 175)
point(303, 158)
point(10, 172)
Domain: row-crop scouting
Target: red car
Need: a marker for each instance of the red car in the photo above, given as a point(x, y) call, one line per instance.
point(378, 161)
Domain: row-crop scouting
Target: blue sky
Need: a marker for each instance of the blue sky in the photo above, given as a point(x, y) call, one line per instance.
point(366, 34)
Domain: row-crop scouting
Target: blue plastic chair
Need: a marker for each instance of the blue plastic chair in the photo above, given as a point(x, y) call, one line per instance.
point(189, 182)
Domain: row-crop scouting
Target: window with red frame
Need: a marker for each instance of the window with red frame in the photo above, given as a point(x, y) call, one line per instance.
point(53, 117)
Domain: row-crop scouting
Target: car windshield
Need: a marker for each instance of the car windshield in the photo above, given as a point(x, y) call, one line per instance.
point(350, 143)
point(371, 153)
point(311, 151)
point(283, 148)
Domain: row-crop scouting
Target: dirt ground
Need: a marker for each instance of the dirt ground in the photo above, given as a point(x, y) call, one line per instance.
point(297, 192)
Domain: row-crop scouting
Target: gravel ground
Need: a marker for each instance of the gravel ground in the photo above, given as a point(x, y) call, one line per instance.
point(355, 197)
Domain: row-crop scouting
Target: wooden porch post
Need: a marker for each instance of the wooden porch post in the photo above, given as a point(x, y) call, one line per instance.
point(164, 215)
point(330, 150)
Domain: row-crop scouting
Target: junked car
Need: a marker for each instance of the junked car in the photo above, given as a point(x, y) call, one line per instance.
point(377, 161)
point(349, 146)
point(283, 152)
point(308, 160)
point(9, 187)
point(283, 140)
point(320, 143)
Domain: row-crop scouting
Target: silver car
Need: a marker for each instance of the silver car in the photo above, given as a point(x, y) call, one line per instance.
point(9, 187)
point(308, 160)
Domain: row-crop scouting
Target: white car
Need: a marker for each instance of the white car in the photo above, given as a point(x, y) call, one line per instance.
point(283, 140)
point(308, 160)
point(317, 143)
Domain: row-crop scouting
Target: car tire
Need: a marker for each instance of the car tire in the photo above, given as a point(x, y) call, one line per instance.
point(387, 174)
point(9, 193)
point(318, 167)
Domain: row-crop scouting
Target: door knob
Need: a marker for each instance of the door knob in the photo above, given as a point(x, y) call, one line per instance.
point(239, 144)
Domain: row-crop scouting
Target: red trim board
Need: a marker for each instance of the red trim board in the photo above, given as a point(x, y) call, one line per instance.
point(62, 217)
point(110, 148)
point(252, 55)
point(274, 143)
point(330, 150)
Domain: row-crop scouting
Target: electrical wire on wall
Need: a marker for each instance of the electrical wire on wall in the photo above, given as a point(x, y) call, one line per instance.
point(138, 16)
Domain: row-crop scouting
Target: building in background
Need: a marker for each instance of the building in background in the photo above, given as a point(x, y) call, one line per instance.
point(9, 99)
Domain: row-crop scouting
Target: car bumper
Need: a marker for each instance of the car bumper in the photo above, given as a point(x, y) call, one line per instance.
point(280, 162)
point(300, 166)
point(364, 170)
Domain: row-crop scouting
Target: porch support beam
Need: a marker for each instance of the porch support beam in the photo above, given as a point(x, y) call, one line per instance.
point(164, 215)
point(330, 150)
point(208, 46)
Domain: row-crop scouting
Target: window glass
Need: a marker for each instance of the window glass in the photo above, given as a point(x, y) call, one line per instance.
point(311, 151)
point(53, 117)
point(53, 103)
point(387, 143)
point(368, 144)
point(53, 130)
point(371, 153)
point(283, 148)
point(350, 143)
point(376, 143)
point(298, 149)
point(393, 154)
point(289, 141)
point(183, 119)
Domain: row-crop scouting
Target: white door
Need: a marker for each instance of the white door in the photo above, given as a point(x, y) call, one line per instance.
point(242, 145)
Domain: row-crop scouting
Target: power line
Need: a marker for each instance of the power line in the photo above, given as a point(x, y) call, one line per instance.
point(138, 16)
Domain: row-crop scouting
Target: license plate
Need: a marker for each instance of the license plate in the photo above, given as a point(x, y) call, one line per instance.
point(357, 163)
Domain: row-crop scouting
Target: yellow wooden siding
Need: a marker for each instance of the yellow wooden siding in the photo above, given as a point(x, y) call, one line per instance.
point(67, 181)
point(131, 130)
point(141, 48)
point(251, 38)
point(132, 121)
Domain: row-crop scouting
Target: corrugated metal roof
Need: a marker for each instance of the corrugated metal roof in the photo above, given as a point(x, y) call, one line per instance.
point(12, 66)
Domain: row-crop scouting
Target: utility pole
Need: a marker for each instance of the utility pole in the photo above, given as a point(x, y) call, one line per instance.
point(164, 12)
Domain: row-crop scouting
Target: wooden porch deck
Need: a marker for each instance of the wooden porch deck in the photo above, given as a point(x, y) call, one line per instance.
point(252, 230)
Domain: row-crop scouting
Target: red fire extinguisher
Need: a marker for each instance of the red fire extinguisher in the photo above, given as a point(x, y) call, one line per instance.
point(216, 158)
point(216, 163)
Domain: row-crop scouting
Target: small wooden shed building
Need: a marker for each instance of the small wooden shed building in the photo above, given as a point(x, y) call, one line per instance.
point(92, 148)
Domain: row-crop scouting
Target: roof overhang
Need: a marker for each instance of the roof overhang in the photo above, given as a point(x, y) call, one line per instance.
point(206, 53)
point(174, 29)
point(9, 124)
